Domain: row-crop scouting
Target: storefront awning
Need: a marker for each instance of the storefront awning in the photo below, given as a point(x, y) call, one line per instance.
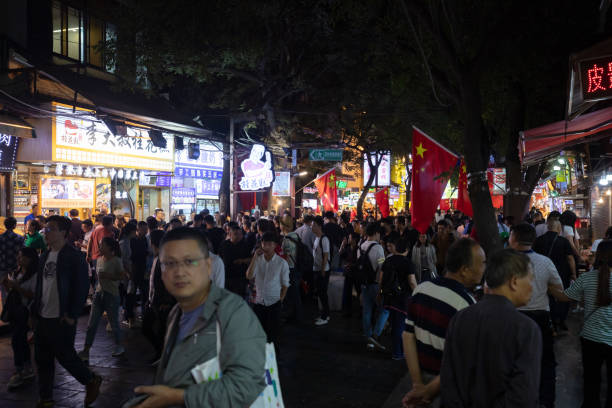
point(14, 126)
point(539, 143)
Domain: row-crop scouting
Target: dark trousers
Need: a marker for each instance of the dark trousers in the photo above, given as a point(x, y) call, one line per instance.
point(398, 325)
point(321, 284)
point(55, 340)
point(593, 356)
point(237, 285)
point(293, 301)
point(548, 373)
point(269, 317)
point(19, 340)
point(154, 323)
point(138, 283)
point(347, 293)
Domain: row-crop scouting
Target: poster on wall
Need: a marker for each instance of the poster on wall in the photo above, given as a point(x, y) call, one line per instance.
point(384, 170)
point(103, 195)
point(257, 169)
point(281, 185)
point(67, 193)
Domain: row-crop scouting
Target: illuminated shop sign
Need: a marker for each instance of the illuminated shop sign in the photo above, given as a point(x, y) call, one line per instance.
point(257, 172)
point(8, 152)
point(383, 178)
point(596, 78)
point(82, 138)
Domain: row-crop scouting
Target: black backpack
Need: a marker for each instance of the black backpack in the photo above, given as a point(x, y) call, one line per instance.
point(394, 282)
point(304, 260)
point(364, 272)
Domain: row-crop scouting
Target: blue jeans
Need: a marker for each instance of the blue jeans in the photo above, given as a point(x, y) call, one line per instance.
point(398, 325)
point(369, 293)
point(103, 301)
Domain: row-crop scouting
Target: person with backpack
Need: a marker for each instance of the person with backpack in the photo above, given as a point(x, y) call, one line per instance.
point(321, 269)
point(297, 256)
point(371, 257)
point(21, 287)
point(398, 282)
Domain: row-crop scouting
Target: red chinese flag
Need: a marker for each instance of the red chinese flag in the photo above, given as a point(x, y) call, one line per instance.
point(382, 200)
point(326, 184)
point(463, 197)
point(429, 160)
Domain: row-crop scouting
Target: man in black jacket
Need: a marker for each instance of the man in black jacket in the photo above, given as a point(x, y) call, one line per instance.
point(61, 290)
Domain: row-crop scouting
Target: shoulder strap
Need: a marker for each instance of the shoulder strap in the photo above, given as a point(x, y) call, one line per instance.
point(552, 245)
point(370, 247)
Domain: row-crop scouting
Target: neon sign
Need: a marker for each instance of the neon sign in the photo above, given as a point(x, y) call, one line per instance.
point(596, 78)
point(258, 174)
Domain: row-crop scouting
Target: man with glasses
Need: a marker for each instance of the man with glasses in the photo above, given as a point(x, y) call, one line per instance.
point(191, 337)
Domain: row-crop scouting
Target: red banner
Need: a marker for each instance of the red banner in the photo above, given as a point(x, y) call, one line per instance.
point(382, 200)
point(429, 160)
point(326, 184)
point(463, 197)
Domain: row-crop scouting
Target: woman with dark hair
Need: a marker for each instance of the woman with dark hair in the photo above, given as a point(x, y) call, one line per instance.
point(594, 289)
point(424, 259)
point(106, 299)
point(21, 286)
point(568, 223)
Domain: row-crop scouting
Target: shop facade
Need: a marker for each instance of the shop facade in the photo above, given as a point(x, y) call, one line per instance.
point(77, 162)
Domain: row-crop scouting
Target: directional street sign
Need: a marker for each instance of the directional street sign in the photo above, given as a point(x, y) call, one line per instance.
point(325, 155)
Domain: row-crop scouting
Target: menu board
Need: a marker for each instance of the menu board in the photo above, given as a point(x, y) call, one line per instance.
point(67, 193)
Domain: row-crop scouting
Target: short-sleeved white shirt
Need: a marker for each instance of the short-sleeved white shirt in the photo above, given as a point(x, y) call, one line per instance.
point(270, 277)
point(544, 274)
point(376, 254)
point(321, 246)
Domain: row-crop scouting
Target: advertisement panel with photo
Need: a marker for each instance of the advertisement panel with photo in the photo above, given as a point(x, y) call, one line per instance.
point(67, 193)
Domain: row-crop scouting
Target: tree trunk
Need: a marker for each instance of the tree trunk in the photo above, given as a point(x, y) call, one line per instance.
point(477, 161)
point(520, 184)
point(366, 187)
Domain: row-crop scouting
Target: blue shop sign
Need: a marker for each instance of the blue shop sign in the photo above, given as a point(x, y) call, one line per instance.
point(213, 174)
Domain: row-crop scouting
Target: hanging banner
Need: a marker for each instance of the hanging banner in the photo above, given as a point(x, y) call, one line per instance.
point(280, 188)
point(384, 170)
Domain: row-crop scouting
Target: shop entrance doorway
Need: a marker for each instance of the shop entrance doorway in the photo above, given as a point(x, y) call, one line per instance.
point(153, 198)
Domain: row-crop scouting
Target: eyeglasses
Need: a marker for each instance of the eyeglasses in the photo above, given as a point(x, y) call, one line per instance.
point(187, 263)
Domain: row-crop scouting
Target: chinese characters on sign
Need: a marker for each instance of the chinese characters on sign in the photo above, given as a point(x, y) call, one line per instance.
point(84, 139)
point(8, 152)
point(258, 173)
point(383, 177)
point(596, 78)
point(206, 169)
point(67, 193)
point(183, 195)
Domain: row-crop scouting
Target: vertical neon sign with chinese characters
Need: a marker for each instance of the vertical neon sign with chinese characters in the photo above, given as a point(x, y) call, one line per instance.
point(8, 152)
point(596, 78)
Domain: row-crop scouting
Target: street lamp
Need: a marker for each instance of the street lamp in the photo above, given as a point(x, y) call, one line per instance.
point(303, 173)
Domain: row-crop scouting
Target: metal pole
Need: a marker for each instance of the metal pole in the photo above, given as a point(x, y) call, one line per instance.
point(232, 197)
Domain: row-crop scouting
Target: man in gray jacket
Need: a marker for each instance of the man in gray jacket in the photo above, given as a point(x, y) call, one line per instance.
point(191, 335)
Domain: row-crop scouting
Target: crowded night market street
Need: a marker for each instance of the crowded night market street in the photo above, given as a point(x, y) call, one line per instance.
point(324, 203)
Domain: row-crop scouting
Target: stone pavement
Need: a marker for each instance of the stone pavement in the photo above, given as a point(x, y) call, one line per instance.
point(319, 367)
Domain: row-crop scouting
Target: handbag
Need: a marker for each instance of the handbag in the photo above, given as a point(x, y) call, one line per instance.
point(11, 306)
point(270, 397)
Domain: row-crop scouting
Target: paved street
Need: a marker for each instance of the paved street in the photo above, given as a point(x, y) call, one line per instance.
point(319, 367)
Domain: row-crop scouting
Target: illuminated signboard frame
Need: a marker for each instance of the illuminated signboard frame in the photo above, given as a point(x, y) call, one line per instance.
point(596, 78)
point(63, 199)
point(258, 174)
point(8, 152)
point(83, 139)
point(384, 170)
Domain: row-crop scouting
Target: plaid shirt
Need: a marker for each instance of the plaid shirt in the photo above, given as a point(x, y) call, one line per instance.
point(10, 244)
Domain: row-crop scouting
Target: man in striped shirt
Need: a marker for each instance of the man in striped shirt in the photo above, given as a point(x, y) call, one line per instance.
point(432, 306)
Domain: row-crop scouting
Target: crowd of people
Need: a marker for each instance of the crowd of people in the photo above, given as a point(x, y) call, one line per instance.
point(233, 283)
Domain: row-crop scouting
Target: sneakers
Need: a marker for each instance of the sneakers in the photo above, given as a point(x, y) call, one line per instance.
point(397, 358)
point(370, 346)
point(321, 322)
point(15, 381)
point(375, 343)
point(84, 355)
point(92, 390)
point(118, 350)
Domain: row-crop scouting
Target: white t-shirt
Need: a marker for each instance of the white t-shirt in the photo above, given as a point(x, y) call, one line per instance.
point(270, 277)
point(49, 305)
point(568, 232)
point(217, 273)
point(541, 229)
point(29, 284)
point(544, 274)
point(376, 254)
point(321, 246)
